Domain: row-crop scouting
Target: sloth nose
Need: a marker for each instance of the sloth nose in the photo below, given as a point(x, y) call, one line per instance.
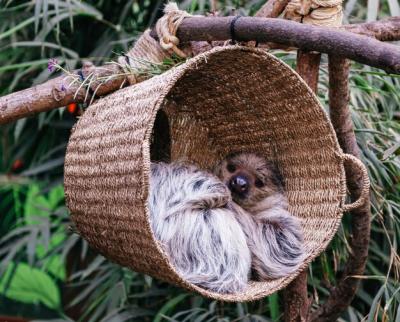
point(239, 184)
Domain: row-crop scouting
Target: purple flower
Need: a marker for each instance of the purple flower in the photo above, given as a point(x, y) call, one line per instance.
point(51, 65)
point(63, 88)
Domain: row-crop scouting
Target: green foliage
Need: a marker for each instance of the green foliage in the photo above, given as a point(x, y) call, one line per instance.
point(36, 239)
point(20, 280)
point(24, 283)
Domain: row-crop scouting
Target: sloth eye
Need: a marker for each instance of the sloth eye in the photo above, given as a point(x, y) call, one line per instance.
point(259, 183)
point(231, 168)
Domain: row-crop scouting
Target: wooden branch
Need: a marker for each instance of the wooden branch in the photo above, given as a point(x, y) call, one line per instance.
point(343, 293)
point(40, 98)
point(58, 92)
point(51, 95)
point(297, 303)
point(306, 37)
point(384, 30)
point(308, 68)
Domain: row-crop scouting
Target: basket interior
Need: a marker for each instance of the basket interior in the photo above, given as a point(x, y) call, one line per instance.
point(216, 110)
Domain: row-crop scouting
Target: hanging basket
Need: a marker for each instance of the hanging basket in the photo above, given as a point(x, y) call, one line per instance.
point(228, 100)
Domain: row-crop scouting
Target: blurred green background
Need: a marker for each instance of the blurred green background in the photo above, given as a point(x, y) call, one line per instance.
point(48, 273)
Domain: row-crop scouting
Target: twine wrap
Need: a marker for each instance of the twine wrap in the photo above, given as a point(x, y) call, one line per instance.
point(147, 49)
point(328, 13)
point(167, 27)
point(214, 106)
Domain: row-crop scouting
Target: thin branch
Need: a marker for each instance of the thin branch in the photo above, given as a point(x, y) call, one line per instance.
point(384, 30)
point(56, 93)
point(343, 293)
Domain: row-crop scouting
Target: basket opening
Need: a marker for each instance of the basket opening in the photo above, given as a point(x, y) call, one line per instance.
point(160, 146)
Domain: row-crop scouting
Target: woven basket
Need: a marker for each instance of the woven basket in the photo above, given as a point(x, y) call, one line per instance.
point(229, 99)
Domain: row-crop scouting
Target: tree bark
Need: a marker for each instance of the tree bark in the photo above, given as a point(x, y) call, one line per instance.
point(308, 68)
point(384, 30)
point(297, 303)
point(58, 92)
point(343, 293)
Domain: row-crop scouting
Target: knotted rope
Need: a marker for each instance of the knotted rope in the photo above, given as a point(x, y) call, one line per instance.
point(147, 50)
point(167, 26)
point(328, 13)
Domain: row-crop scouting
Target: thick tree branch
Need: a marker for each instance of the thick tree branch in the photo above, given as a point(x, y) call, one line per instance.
point(297, 303)
point(50, 95)
point(343, 293)
point(306, 37)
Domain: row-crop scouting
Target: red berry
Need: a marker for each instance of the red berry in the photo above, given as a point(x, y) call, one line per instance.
point(72, 108)
point(17, 165)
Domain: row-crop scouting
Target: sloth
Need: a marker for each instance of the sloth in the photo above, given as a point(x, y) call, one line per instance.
point(273, 235)
point(191, 217)
point(218, 229)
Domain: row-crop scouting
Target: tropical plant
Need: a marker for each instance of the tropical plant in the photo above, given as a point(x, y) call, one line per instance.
point(47, 271)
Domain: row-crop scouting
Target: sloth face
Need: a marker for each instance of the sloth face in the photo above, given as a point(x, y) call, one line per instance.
point(249, 177)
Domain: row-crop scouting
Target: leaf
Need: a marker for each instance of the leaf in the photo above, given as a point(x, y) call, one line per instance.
point(13, 30)
point(273, 303)
point(38, 7)
point(391, 150)
point(36, 204)
point(44, 166)
point(19, 126)
point(30, 44)
point(394, 7)
point(127, 314)
point(94, 265)
point(56, 266)
point(168, 306)
point(398, 314)
point(30, 285)
point(374, 310)
point(373, 9)
point(56, 195)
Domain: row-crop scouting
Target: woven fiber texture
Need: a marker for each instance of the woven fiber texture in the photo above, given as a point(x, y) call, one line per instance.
point(227, 100)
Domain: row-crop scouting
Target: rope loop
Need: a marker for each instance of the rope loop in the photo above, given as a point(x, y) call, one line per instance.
point(167, 27)
point(232, 28)
point(147, 50)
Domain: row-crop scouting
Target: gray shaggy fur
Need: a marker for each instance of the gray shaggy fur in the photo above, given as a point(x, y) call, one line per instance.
point(191, 218)
point(275, 239)
point(274, 236)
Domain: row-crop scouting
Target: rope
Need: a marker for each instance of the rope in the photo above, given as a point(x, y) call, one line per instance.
point(167, 26)
point(232, 28)
point(148, 50)
point(328, 13)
